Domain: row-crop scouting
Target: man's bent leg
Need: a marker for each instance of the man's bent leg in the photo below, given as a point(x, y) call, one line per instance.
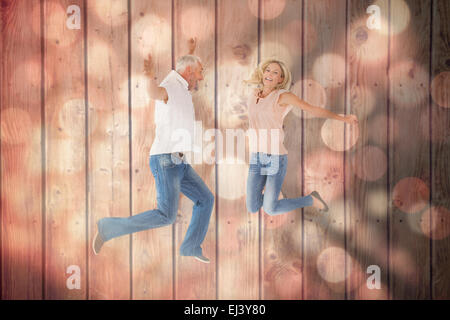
point(195, 189)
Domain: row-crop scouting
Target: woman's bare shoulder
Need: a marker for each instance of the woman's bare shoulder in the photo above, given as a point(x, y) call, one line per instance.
point(284, 98)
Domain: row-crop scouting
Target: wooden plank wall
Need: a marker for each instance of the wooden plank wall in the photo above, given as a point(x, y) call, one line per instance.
point(22, 246)
point(281, 236)
point(77, 127)
point(64, 152)
point(108, 141)
point(151, 251)
point(196, 19)
point(439, 136)
point(366, 213)
point(238, 231)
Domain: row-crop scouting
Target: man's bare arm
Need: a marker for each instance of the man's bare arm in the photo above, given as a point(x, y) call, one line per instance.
point(156, 92)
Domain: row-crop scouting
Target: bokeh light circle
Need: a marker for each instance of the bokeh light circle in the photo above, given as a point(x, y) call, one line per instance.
point(377, 203)
point(101, 57)
point(331, 264)
point(332, 133)
point(152, 34)
point(410, 195)
point(197, 22)
point(440, 89)
point(329, 70)
point(278, 51)
point(139, 91)
point(113, 13)
point(435, 222)
point(400, 13)
point(270, 9)
point(324, 172)
point(236, 170)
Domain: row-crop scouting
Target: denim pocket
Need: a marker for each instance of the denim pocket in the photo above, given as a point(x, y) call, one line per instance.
point(272, 168)
point(165, 161)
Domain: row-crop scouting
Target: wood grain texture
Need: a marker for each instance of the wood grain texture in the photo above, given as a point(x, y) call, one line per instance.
point(21, 153)
point(408, 75)
point(281, 257)
point(238, 230)
point(324, 248)
point(388, 193)
point(440, 148)
point(366, 163)
point(109, 163)
point(196, 280)
point(152, 259)
point(65, 239)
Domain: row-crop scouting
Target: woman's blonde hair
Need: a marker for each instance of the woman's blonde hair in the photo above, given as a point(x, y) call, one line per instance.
point(257, 76)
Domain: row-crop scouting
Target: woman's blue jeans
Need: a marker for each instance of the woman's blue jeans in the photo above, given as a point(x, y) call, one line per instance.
point(172, 176)
point(268, 171)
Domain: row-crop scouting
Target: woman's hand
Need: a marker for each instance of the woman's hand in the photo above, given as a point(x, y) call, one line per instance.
point(149, 67)
point(351, 119)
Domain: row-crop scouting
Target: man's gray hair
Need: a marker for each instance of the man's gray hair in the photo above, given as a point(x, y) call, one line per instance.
point(185, 61)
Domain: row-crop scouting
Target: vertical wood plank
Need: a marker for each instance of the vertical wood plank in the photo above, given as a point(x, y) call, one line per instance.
point(65, 151)
point(238, 230)
point(196, 18)
point(107, 67)
point(152, 257)
point(324, 60)
point(21, 153)
point(281, 38)
point(367, 163)
point(440, 143)
point(410, 175)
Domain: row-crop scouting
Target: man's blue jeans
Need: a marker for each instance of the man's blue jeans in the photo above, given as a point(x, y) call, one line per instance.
point(269, 171)
point(171, 177)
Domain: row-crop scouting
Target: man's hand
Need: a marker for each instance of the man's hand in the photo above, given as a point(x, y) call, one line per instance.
point(149, 68)
point(192, 43)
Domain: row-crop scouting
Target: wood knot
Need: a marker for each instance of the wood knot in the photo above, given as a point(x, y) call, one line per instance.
point(361, 35)
point(241, 52)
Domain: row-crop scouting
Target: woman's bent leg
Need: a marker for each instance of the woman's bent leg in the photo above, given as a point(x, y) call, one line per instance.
point(271, 204)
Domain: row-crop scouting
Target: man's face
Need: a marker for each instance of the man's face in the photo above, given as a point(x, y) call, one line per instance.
point(193, 74)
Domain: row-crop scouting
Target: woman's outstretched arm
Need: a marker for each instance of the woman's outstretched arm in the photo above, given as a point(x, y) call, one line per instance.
point(288, 98)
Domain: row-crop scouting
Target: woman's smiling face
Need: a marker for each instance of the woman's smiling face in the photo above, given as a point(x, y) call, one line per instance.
point(273, 75)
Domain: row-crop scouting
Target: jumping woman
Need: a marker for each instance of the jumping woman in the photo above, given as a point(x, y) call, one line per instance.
point(267, 107)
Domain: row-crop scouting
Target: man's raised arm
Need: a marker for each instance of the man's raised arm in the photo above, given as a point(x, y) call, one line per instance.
point(156, 92)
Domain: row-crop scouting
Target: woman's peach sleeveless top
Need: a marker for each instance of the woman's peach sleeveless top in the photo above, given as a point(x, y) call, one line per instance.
point(266, 123)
